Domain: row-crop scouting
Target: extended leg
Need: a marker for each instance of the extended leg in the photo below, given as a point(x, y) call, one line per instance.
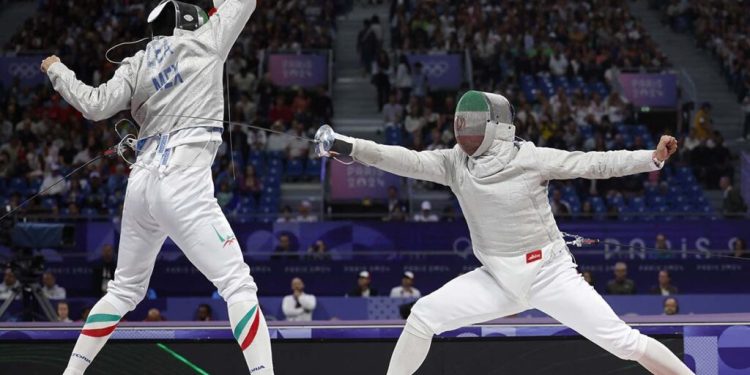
point(197, 225)
point(471, 298)
point(561, 292)
point(140, 242)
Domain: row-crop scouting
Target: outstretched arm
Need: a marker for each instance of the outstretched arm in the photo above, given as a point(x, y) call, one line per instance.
point(560, 165)
point(228, 21)
point(431, 166)
point(95, 103)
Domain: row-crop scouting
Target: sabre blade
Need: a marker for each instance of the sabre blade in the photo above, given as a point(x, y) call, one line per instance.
point(240, 124)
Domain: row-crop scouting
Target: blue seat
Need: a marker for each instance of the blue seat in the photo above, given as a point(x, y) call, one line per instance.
point(313, 168)
point(295, 168)
point(17, 185)
point(616, 201)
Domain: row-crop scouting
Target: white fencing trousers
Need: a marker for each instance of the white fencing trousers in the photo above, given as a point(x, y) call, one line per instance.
point(178, 203)
point(506, 286)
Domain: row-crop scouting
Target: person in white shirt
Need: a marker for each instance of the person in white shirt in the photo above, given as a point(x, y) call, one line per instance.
point(9, 284)
point(50, 288)
point(426, 215)
point(298, 306)
point(304, 213)
point(276, 141)
point(406, 289)
point(558, 64)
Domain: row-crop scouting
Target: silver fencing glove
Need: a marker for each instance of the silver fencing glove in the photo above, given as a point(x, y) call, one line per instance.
point(329, 143)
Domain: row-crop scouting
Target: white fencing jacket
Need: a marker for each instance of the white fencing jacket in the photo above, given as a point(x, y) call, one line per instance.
point(176, 75)
point(503, 193)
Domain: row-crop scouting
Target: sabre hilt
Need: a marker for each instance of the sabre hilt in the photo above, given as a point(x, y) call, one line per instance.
point(329, 143)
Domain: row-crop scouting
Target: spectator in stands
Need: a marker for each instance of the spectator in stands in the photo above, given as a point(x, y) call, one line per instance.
point(322, 105)
point(225, 195)
point(204, 313)
point(560, 208)
point(702, 128)
point(419, 83)
point(250, 184)
point(665, 287)
point(588, 277)
point(50, 288)
point(6, 165)
point(426, 215)
point(393, 112)
point(587, 210)
point(363, 288)
point(277, 142)
point(403, 79)
point(63, 312)
point(367, 45)
point(104, 271)
point(393, 200)
point(285, 216)
point(739, 249)
point(397, 214)
point(621, 284)
point(50, 178)
point(406, 289)
point(284, 249)
point(661, 244)
point(719, 161)
point(305, 215)
point(281, 111)
point(301, 102)
point(154, 315)
point(381, 73)
point(671, 306)
point(733, 205)
point(297, 148)
point(10, 283)
point(298, 306)
point(318, 251)
point(436, 140)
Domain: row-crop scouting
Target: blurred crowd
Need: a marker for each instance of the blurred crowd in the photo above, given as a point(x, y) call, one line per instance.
point(42, 138)
point(720, 27)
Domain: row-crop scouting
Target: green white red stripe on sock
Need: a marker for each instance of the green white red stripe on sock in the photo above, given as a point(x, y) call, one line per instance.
point(244, 333)
point(100, 325)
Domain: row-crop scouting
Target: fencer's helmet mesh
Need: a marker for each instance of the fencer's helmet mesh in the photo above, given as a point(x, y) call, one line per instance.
point(474, 112)
point(470, 122)
point(170, 14)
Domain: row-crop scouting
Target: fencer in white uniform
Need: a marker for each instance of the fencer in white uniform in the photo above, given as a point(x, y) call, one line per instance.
point(501, 184)
point(170, 191)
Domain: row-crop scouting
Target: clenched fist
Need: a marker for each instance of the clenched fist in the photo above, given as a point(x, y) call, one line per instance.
point(667, 146)
point(46, 63)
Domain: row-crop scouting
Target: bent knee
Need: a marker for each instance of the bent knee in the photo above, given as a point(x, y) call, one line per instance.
point(418, 322)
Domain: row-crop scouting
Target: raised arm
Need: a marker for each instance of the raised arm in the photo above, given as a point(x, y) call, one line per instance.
point(228, 21)
point(95, 103)
point(560, 165)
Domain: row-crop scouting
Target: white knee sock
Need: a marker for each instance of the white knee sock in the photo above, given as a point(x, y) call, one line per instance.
point(410, 352)
point(100, 324)
point(661, 361)
point(250, 330)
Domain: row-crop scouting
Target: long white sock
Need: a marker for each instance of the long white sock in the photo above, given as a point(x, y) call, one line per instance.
point(661, 361)
point(100, 324)
point(250, 330)
point(410, 352)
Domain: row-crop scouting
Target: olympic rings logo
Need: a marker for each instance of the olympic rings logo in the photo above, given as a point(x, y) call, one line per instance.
point(435, 69)
point(23, 70)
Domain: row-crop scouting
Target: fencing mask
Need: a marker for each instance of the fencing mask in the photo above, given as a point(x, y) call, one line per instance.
point(482, 117)
point(170, 14)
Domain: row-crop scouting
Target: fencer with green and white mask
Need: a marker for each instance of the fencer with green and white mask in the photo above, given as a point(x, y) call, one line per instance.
point(501, 185)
